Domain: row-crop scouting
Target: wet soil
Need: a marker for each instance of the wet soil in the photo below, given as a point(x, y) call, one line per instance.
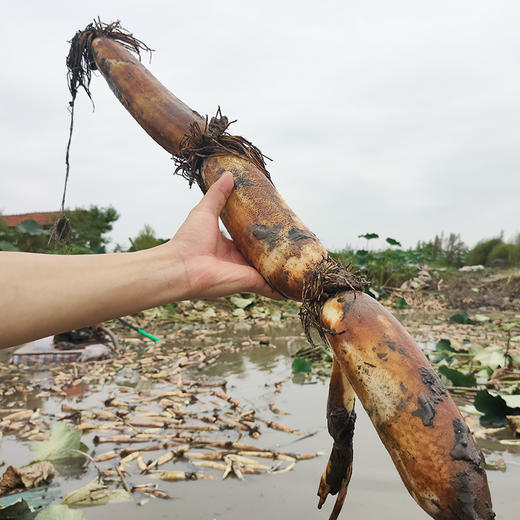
point(485, 290)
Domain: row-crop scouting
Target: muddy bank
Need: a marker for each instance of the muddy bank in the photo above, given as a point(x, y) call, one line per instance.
point(486, 290)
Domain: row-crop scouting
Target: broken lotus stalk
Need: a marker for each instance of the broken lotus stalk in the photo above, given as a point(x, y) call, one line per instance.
point(413, 413)
point(341, 418)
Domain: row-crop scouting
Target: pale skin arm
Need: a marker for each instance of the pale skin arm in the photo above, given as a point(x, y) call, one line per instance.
point(42, 295)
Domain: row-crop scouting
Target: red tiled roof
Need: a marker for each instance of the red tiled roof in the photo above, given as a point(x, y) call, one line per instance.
point(43, 218)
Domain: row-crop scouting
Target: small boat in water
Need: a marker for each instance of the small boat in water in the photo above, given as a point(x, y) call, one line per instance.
point(87, 344)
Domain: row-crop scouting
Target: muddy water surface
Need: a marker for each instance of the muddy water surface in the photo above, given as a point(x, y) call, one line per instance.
point(375, 491)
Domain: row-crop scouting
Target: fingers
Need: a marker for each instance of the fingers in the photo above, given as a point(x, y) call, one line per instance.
point(260, 286)
point(268, 292)
point(246, 278)
point(217, 195)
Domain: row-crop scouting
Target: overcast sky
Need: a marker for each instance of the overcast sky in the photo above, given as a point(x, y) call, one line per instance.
point(400, 118)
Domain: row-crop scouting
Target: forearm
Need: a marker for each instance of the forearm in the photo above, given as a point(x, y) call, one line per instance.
point(43, 295)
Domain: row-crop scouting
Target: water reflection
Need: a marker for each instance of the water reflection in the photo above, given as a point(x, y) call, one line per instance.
point(71, 468)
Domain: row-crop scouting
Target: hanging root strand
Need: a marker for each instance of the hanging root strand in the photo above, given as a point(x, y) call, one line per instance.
point(199, 144)
point(326, 281)
point(80, 61)
point(80, 64)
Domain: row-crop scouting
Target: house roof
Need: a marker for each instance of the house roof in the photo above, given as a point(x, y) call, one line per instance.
point(43, 218)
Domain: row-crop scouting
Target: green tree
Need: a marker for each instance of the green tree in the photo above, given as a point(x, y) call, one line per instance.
point(506, 252)
point(516, 251)
point(480, 253)
point(88, 233)
point(26, 236)
point(89, 228)
point(444, 251)
point(145, 239)
point(7, 237)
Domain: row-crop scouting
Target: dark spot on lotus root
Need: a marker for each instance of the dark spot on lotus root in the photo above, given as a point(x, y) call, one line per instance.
point(346, 308)
point(464, 448)
point(427, 403)
point(391, 344)
point(382, 355)
point(403, 351)
point(429, 378)
point(338, 468)
point(268, 234)
point(465, 497)
point(426, 409)
point(340, 423)
point(403, 388)
point(296, 234)
point(242, 182)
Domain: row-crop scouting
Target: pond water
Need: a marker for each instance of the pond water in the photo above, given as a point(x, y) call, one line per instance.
point(375, 491)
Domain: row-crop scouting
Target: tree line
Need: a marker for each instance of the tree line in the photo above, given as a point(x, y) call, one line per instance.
point(89, 230)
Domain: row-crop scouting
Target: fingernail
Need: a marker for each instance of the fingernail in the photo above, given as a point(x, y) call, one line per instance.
point(228, 173)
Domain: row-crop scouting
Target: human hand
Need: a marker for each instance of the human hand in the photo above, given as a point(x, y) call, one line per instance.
point(47, 294)
point(212, 264)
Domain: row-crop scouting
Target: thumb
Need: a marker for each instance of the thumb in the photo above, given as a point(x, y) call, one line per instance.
point(218, 193)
